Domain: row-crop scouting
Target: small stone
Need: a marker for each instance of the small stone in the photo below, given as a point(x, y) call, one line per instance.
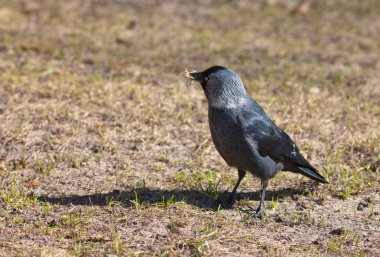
point(337, 231)
point(52, 223)
point(15, 211)
point(278, 219)
point(362, 205)
point(315, 90)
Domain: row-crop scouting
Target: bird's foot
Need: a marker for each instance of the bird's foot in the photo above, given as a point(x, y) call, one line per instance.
point(259, 213)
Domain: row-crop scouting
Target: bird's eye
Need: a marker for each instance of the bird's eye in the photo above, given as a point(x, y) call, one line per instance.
point(206, 78)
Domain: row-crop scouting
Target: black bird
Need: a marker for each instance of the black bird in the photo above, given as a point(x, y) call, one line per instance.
point(244, 135)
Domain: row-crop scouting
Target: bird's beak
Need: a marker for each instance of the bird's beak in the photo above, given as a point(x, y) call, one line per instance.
point(197, 76)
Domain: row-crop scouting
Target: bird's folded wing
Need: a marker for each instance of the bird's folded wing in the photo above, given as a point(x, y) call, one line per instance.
point(271, 140)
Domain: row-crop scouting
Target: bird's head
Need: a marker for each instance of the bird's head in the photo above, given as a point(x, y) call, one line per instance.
point(222, 86)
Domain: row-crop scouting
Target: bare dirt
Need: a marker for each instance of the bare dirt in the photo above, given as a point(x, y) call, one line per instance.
point(105, 149)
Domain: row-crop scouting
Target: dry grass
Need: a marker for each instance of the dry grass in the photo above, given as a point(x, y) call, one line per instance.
point(105, 150)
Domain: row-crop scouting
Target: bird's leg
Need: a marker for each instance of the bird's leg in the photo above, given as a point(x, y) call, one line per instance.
point(231, 198)
point(260, 210)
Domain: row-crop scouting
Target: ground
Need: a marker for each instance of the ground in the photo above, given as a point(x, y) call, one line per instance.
point(105, 149)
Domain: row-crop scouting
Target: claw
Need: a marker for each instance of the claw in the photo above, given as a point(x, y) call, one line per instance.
point(259, 213)
point(232, 197)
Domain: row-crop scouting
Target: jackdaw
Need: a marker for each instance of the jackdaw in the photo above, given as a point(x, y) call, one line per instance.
point(244, 135)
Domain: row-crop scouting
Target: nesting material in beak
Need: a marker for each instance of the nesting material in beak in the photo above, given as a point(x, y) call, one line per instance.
point(187, 76)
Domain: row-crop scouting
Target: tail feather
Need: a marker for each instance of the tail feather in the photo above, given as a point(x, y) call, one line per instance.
point(312, 173)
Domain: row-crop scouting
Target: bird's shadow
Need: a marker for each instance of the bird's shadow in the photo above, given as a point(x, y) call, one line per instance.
point(202, 199)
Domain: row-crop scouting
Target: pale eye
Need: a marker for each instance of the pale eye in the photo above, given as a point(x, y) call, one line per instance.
point(206, 78)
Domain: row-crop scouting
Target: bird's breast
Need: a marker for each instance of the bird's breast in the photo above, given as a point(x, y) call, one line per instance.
point(227, 136)
point(236, 147)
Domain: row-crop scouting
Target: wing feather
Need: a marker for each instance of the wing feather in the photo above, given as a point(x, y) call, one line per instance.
point(271, 140)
